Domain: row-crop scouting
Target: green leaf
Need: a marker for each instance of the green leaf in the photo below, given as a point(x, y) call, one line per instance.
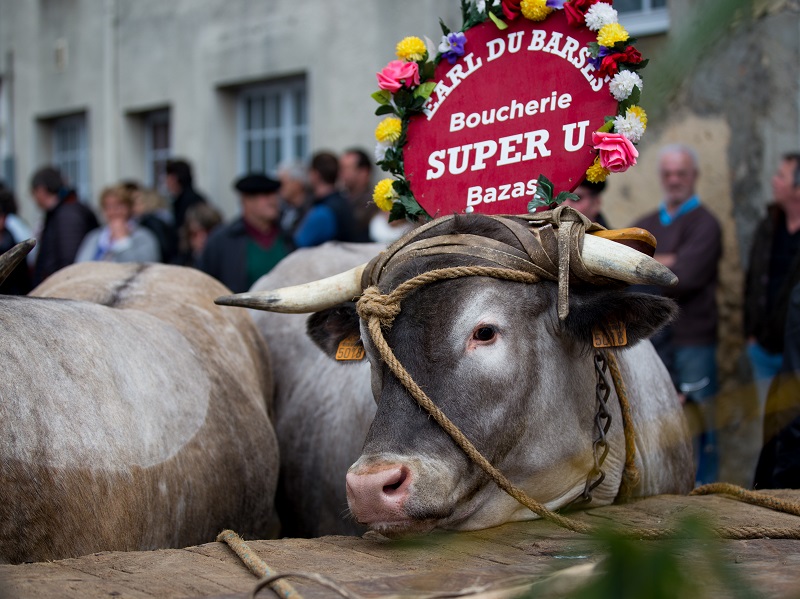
point(383, 96)
point(427, 71)
point(500, 25)
point(566, 195)
point(403, 97)
point(543, 195)
point(594, 49)
point(608, 126)
point(425, 90)
point(384, 109)
point(445, 28)
point(629, 66)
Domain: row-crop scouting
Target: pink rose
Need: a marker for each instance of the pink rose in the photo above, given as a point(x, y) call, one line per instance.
point(398, 73)
point(617, 153)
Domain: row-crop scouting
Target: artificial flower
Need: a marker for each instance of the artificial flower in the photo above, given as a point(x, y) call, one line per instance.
point(576, 11)
point(596, 173)
point(616, 152)
point(411, 49)
point(452, 46)
point(607, 62)
point(534, 10)
point(556, 4)
point(639, 112)
point(480, 5)
point(630, 126)
point(611, 34)
point(510, 8)
point(397, 74)
point(384, 194)
point(599, 15)
point(622, 84)
point(388, 130)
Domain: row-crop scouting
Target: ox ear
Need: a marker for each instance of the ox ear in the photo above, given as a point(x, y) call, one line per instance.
point(328, 329)
point(642, 314)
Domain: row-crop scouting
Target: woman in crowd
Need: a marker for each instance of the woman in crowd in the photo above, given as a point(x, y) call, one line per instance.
point(121, 239)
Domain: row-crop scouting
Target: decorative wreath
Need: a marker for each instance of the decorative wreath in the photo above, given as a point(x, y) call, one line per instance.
point(406, 84)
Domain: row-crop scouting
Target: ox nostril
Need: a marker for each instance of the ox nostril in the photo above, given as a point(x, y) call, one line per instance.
point(397, 481)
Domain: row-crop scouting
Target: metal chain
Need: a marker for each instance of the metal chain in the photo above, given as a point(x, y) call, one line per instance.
point(602, 422)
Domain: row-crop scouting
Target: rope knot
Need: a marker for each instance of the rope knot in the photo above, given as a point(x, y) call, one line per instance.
point(374, 304)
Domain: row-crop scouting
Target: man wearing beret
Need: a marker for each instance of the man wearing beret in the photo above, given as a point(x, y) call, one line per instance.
point(238, 253)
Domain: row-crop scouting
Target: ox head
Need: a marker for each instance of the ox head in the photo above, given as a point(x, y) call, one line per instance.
point(495, 357)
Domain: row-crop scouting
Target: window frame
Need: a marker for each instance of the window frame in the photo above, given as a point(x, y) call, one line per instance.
point(63, 157)
point(155, 177)
point(291, 131)
point(647, 20)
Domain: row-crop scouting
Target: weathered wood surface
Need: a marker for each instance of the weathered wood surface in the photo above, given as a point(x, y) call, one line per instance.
point(502, 557)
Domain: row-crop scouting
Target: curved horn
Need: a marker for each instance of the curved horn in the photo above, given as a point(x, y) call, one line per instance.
point(10, 260)
point(301, 299)
point(616, 261)
point(601, 256)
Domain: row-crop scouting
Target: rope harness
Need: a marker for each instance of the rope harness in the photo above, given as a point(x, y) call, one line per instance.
point(379, 310)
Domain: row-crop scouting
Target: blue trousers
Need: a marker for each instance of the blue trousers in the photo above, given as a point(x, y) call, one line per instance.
point(696, 373)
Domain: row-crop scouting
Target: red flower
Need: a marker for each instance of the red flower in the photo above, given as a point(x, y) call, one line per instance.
point(576, 11)
point(609, 65)
point(511, 9)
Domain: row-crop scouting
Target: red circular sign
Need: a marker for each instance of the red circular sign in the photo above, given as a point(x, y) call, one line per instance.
point(519, 103)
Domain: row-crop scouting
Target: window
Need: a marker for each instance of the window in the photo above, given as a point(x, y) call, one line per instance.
point(157, 148)
point(273, 125)
point(643, 17)
point(70, 153)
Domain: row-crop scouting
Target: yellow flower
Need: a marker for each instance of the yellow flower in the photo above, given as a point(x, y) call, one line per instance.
point(640, 114)
point(535, 10)
point(388, 130)
point(596, 173)
point(611, 34)
point(384, 194)
point(411, 49)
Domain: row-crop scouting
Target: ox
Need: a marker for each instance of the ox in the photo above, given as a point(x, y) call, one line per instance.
point(323, 408)
point(517, 380)
point(135, 415)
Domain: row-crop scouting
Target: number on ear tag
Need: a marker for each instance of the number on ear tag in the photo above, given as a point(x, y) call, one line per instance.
point(350, 348)
point(614, 334)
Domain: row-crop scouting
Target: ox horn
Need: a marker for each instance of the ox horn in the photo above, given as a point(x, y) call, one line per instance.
point(302, 299)
point(601, 256)
point(10, 260)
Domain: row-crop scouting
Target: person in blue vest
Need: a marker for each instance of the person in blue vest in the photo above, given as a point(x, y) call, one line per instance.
point(240, 252)
point(330, 217)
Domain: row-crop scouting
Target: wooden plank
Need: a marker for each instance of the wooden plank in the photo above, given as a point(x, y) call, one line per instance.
point(377, 567)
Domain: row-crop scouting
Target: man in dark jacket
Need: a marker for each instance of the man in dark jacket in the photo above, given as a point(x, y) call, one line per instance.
point(690, 244)
point(66, 223)
point(773, 272)
point(238, 253)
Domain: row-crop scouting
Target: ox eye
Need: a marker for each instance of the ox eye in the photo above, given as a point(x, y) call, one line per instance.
point(484, 333)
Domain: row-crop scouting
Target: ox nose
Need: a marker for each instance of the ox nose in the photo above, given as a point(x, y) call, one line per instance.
point(378, 495)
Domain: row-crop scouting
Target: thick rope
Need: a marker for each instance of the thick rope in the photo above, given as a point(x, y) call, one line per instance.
point(256, 565)
point(386, 309)
point(747, 496)
point(630, 474)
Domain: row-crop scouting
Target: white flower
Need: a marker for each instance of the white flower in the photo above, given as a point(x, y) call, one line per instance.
point(600, 15)
point(480, 5)
point(622, 84)
point(631, 126)
point(380, 151)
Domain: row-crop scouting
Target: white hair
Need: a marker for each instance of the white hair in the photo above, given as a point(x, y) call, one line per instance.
point(684, 149)
point(295, 170)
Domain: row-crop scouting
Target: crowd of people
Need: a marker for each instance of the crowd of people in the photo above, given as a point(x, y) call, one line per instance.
point(330, 199)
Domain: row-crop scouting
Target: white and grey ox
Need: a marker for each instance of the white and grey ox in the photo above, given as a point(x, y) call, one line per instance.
point(518, 381)
point(134, 414)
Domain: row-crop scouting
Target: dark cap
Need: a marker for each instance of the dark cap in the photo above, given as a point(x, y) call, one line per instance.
point(256, 183)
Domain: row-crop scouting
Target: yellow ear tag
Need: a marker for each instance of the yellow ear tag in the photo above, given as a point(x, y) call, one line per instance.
point(614, 334)
point(350, 348)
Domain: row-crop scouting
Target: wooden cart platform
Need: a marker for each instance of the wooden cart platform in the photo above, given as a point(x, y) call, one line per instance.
point(500, 561)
